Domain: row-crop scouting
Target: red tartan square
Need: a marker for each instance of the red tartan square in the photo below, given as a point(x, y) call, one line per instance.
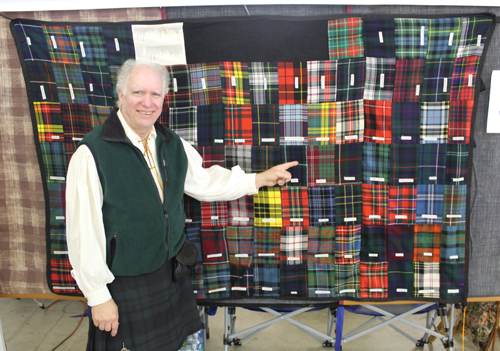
point(459, 121)
point(295, 207)
point(402, 204)
point(292, 79)
point(373, 280)
point(214, 214)
point(375, 198)
point(378, 127)
point(238, 124)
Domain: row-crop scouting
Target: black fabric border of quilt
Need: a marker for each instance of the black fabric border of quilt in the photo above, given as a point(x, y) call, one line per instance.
point(263, 301)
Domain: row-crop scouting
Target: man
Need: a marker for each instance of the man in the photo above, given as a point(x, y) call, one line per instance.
point(124, 191)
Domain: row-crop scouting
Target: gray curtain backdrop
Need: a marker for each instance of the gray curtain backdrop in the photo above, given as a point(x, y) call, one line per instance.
point(484, 268)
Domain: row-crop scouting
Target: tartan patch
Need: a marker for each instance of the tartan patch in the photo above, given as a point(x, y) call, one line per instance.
point(217, 280)
point(459, 121)
point(295, 153)
point(238, 124)
point(409, 80)
point(457, 156)
point(321, 81)
point(347, 244)
point(183, 121)
point(33, 42)
point(463, 81)
point(49, 121)
point(350, 122)
point(321, 245)
point(61, 45)
point(179, 94)
point(348, 163)
point(437, 80)
point(426, 279)
point(402, 204)
point(350, 79)
point(373, 243)
point(320, 280)
point(405, 123)
point(320, 165)
point(264, 157)
point(429, 204)
point(214, 246)
point(321, 206)
point(378, 126)
point(348, 204)
point(99, 87)
point(347, 283)
point(444, 35)
point(267, 280)
point(76, 120)
point(206, 87)
point(473, 36)
point(375, 203)
point(376, 163)
point(242, 281)
point(379, 78)
point(345, 38)
point(292, 77)
point(266, 125)
point(400, 278)
point(57, 202)
point(452, 280)
point(293, 124)
point(240, 245)
point(379, 37)
point(210, 121)
point(453, 244)
point(43, 83)
point(60, 275)
point(434, 122)
point(322, 123)
point(192, 208)
point(373, 280)
point(214, 214)
point(454, 205)
point(113, 72)
point(295, 207)
point(234, 83)
point(267, 207)
point(400, 241)
point(92, 45)
point(293, 280)
point(58, 246)
point(267, 245)
point(197, 282)
point(432, 163)
point(293, 246)
point(193, 234)
point(239, 155)
point(411, 39)
point(70, 84)
point(70, 149)
point(240, 211)
point(427, 243)
point(264, 83)
point(119, 43)
point(212, 156)
point(405, 163)
point(98, 114)
point(54, 159)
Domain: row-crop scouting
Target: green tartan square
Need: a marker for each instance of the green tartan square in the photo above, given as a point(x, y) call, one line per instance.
point(70, 84)
point(454, 205)
point(320, 280)
point(345, 38)
point(347, 282)
point(58, 246)
point(444, 36)
point(453, 244)
point(321, 245)
point(267, 245)
point(92, 45)
point(348, 204)
point(376, 163)
point(411, 38)
point(473, 35)
point(183, 121)
point(61, 44)
point(322, 123)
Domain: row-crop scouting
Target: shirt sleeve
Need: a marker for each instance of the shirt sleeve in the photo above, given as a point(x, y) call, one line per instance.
point(85, 229)
point(215, 183)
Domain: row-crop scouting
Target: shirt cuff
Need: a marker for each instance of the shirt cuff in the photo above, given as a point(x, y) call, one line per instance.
point(99, 296)
point(251, 187)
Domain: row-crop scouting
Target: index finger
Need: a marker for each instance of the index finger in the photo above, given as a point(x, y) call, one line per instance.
point(287, 165)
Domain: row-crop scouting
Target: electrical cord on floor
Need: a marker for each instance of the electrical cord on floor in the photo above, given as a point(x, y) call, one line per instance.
point(73, 332)
point(463, 330)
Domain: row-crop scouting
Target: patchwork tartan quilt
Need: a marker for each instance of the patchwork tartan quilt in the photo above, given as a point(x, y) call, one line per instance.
point(381, 125)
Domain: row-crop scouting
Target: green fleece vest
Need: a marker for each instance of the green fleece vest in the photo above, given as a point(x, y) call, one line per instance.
point(141, 232)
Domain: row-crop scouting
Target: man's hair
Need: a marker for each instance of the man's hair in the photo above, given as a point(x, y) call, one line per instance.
point(126, 69)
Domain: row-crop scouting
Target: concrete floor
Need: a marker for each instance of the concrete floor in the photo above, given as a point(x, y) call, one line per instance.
point(27, 327)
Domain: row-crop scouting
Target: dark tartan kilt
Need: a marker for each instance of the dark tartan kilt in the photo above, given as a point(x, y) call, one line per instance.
point(155, 313)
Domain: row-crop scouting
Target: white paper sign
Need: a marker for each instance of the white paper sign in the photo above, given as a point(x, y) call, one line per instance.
point(493, 124)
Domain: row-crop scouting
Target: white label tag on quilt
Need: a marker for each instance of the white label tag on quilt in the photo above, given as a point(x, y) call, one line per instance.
point(60, 218)
point(203, 84)
point(453, 291)
point(428, 291)
point(55, 137)
point(454, 257)
point(216, 290)
point(294, 180)
point(352, 79)
point(296, 219)
point(428, 254)
point(293, 258)
point(458, 179)
point(214, 255)
point(417, 90)
point(265, 83)
point(77, 139)
point(219, 141)
point(429, 216)
point(57, 178)
point(479, 40)
point(401, 217)
point(322, 292)
point(350, 137)
point(378, 138)
point(450, 41)
point(345, 291)
point(28, 41)
point(241, 255)
point(268, 220)
point(264, 288)
point(323, 220)
point(71, 92)
point(375, 290)
point(233, 81)
point(294, 138)
point(350, 219)
point(399, 254)
point(241, 219)
point(374, 217)
point(188, 220)
point(422, 35)
point(401, 290)
point(347, 256)
point(42, 90)
point(373, 255)
point(54, 43)
point(293, 293)
point(60, 252)
point(377, 179)
point(471, 79)
point(459, 138)
point(117, 44)
point(406, 137)
point(238, 288)
point(445, 85)
point(323, 139)
point(322, 255)
point(320, 181)
point(175, 85)
point(382, 79)
point(323, 82)
point(453, 216)
point(271, 254)
point(406, 180)
point(296, 82)
point(433, 178)
point(381, 37)
point(82, 49)
point(214, 218)
point(239, 140)
point(349, 179)
point(267, 140)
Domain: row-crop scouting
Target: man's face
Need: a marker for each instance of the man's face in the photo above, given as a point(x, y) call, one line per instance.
point(142, 101)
